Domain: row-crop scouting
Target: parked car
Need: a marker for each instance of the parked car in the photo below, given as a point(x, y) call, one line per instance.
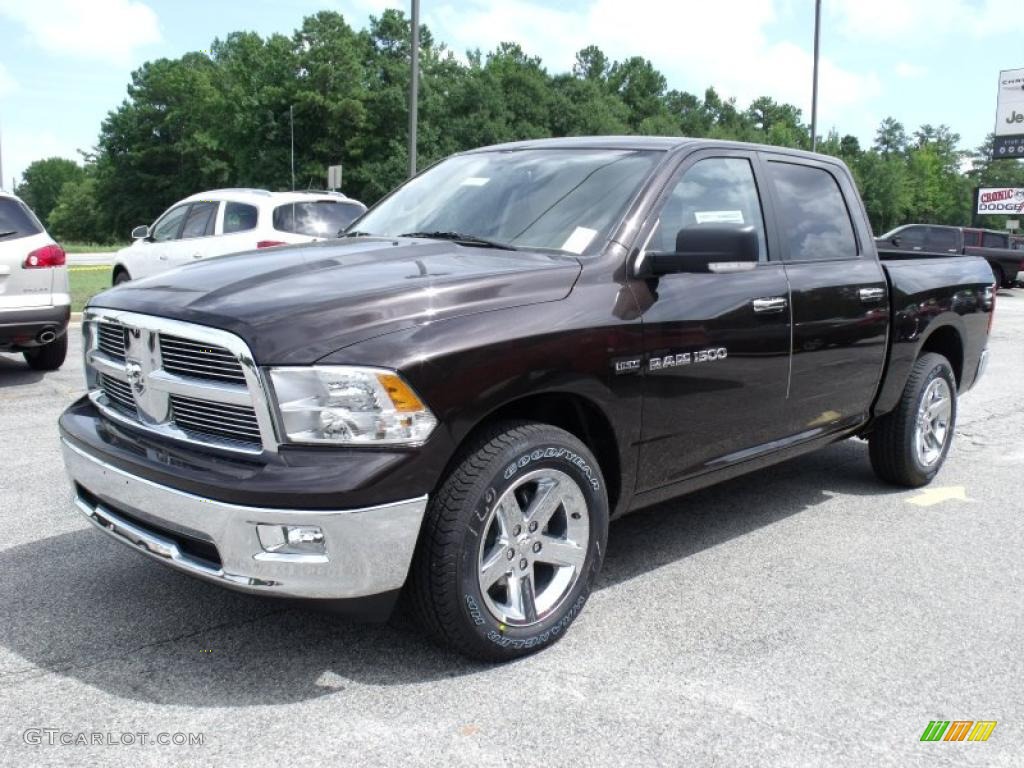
point(35, 302)
point(932, 239)
point(231, 220)
point(458, 397)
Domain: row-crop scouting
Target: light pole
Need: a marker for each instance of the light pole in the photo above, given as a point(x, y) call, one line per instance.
point(414, 86)
point(814, 93)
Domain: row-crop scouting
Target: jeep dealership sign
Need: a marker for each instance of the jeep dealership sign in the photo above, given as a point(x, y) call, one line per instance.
point(1009, 141)
point(1001, 200)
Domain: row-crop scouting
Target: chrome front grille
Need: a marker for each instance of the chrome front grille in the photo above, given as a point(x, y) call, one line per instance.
point(110, 340)
point(179, 380)
point(203, 417)
point(201, 361)
point(119, 394)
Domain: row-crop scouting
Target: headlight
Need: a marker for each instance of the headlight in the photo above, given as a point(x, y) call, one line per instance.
point(354, 406)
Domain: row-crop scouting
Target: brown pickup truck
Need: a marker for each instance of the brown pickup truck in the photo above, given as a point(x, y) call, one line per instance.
point(1004, 256)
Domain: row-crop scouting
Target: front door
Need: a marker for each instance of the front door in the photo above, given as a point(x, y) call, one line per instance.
point(716, 344)
point(196, 232)
point(839, 294)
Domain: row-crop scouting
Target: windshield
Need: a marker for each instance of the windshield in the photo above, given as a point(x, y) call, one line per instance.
point(319, 218)
point(561, 199)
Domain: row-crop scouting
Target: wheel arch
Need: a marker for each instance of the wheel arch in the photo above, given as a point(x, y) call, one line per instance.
point(577, 415)
point(119, 268)
point(946, 340)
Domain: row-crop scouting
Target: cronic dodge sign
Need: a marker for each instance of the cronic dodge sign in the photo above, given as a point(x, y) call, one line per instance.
point(1009, 140)
point(1001, 200)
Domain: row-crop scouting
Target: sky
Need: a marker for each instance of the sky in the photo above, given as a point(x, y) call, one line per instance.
point(65, 63)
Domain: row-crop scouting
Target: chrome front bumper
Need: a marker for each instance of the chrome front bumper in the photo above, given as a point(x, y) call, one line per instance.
point(367, 551)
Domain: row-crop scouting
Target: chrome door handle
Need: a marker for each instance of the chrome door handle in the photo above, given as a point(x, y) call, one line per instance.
point(767, 306)
point(868, 295)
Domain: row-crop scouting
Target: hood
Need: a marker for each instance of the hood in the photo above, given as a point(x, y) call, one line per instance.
point(296, 304)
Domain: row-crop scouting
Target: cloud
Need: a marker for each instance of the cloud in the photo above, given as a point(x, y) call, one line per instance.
point(22, 147)
point(910, 71)
point(7, 82)
point(921, 22)
point(107, 30)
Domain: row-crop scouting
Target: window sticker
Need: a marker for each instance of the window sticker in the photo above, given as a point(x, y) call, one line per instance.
point(578, 241)
point(719, 217)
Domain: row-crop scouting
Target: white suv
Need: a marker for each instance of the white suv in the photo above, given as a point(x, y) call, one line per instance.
point(229, 221)
point(35, 303)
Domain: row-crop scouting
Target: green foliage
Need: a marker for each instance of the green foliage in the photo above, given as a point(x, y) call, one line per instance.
point(42, 182)
point(77, 215)
point(205, 121)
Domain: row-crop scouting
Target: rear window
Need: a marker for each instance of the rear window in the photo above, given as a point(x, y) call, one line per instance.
point(316, 218)
point(993, 240)
point(942, 239)
point(16, 220)
point(815, 219)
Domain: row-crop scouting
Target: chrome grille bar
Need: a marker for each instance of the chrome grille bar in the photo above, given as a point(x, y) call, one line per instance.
point(198, 359)
point(178, 380)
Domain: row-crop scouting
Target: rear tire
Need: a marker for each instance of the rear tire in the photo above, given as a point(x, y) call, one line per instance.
point(909, 446)
point(49, 357)
point(511, 544)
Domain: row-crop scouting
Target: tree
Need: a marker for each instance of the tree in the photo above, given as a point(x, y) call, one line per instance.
point(891, 138)
point(77, 216)
point(42, 182)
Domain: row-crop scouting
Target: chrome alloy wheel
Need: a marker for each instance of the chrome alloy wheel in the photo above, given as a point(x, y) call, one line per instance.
point(933, 425)
point(534, 547)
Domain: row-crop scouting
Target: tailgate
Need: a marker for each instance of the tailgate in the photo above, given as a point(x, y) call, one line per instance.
point(20, 287)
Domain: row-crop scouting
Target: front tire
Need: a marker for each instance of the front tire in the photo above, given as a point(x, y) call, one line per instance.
point(121, 276)
point(512, 543)
point(909, 446)
point(49, 357)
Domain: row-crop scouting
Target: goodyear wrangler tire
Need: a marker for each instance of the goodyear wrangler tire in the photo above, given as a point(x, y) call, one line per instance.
point(909, 446)
point(512, 543)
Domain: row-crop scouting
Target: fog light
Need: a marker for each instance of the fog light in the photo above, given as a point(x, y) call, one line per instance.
point(292, 539)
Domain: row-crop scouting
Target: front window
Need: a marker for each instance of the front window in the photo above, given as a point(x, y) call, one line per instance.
point(316, 218)
point(558, 199)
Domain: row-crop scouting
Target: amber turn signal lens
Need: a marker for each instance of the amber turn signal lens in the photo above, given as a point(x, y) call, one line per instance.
point(403, 398)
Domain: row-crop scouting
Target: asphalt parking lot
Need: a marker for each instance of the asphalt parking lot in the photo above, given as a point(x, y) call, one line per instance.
point(803, 615)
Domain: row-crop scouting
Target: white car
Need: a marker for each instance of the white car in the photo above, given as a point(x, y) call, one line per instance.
point(35, 303)
point(229, 221)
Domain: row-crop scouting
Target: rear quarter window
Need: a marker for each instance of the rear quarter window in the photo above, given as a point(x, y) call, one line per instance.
point(16, 220)
point(316, 218)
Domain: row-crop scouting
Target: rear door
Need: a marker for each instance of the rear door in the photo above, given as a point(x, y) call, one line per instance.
point(716, 344)
point(943, 240)
point(238, 231)
point(839, 295)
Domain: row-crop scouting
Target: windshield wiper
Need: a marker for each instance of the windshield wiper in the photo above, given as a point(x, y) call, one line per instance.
point(357, 233)
point(8, 233)
point(462, 238)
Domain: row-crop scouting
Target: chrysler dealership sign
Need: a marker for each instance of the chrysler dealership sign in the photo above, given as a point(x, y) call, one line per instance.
point(1001, 200)
point(1009, 140)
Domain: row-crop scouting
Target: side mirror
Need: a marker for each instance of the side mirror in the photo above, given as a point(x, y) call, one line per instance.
point(141, 232)
point(706, 249)
point(896, 240)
